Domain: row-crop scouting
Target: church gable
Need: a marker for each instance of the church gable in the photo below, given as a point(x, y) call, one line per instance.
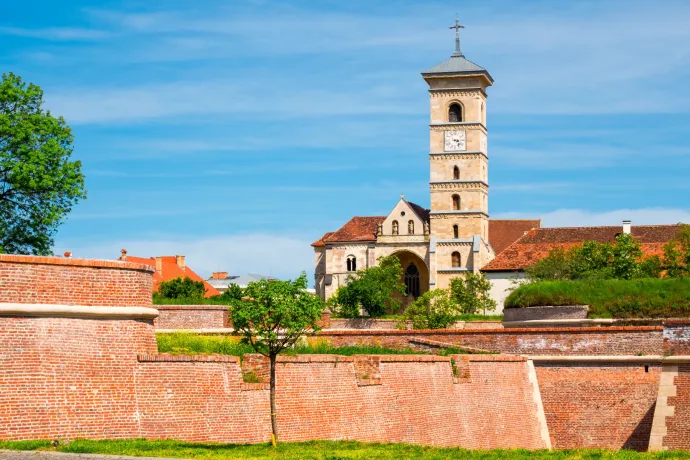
point(405, 219)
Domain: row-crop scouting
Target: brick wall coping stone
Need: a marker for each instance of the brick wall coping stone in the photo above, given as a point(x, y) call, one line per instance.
point(680, 359)
point(559, 322)
point(192, 307)
point(536, 330)
point(91, 263)
point(598, 359)
point(170, 358)
point(671, 321)
point(75, 311)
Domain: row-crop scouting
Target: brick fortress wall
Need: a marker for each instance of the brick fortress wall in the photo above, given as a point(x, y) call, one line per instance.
point(61, 280)
point(192, 317)
point(599, 404)
point(84, 363)
point(622, 340)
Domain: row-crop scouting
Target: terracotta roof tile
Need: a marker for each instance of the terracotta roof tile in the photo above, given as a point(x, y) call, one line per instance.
point(504, 232)
point(320, 242)
point(536, 244)
point(356, 229)
point(170, 271)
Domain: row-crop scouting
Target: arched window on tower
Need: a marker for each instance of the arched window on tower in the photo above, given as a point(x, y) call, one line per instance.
point(455, 231)
point(455, 113)
point(395, 227)
point(412, 281)
point(482, 113)
point(456, 173)
point(410, 227)
point(455, 259)
point(456, 202)
point(351, 263)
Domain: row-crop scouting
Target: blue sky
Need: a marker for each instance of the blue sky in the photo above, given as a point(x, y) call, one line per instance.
point(239, 132)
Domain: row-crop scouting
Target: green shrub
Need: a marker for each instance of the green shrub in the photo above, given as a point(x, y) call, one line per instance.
point(637, 298)
point(432, 310)
point(375, 289)
point(180, 288)
point(470, 293)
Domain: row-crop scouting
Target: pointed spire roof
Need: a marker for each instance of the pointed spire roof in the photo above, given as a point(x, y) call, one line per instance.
point(457, 64)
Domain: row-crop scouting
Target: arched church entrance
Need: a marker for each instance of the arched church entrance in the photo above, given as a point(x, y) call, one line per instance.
point(415, 276)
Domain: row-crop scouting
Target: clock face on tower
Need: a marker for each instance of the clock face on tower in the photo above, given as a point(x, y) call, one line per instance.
point(454, 141)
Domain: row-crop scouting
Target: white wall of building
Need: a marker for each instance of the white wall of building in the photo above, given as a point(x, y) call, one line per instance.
point(502, 283)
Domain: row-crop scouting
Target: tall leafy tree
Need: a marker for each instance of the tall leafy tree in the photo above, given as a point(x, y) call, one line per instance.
point(271, 317)
point(39, 183)
point(180, 288)
point(471, 293)
point(372, 289)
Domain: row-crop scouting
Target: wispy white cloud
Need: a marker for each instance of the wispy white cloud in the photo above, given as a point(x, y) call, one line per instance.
point(280, 256)
point(57, 33)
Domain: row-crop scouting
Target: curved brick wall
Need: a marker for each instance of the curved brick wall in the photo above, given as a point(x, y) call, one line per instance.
point(599, 405)
point(63, 281)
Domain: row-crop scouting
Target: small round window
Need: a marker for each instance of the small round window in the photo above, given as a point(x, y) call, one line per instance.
point(402, 213)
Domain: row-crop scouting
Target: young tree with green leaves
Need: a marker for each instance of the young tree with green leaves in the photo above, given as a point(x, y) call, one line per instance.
point(232, 293)
point(271, 317)
point(180, 288)
point(39, 183)
point(432, 310)
point(373, 289)
point(470, 293)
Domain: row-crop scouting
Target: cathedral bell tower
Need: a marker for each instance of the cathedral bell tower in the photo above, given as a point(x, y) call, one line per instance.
point(458, 158)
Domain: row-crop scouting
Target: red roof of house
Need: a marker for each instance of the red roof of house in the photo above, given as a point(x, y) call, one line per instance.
point(537, 243)
point(504, 232)
point(170, 270)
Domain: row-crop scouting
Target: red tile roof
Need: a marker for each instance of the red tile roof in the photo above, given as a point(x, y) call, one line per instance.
point(320, 242)
point(421, 211)
point(504, 232)
point(170, 271)
point(536, 244)
point(356, 229)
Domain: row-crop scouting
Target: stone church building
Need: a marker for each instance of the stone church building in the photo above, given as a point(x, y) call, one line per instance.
point(456, 234)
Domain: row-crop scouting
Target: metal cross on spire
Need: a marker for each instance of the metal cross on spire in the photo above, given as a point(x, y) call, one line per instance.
point(457, 28)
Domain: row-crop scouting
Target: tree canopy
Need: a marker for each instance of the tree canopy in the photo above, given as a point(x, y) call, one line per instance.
point(372, 289)
point(594, 260)
point(180, 288)
point(39, 183)
point(272, 316)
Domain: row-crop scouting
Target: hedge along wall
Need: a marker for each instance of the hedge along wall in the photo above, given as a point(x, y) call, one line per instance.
point(617, 340)
point(599, 404)
point(61, 280)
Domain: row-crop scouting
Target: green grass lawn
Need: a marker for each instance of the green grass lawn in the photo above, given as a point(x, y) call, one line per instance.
point(330, 450)
point(188, 343)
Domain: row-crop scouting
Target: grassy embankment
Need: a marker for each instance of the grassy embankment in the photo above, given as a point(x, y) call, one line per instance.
point(186, 343)
point(639, 298)
point(330, 450)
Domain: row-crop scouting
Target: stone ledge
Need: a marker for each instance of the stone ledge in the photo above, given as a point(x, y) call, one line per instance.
point(535, 330)
point(532, 323)
point(598, 359)
point(92, 263)
point(75, 311)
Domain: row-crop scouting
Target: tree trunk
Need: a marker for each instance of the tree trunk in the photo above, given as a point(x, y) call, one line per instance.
point(274, 423)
